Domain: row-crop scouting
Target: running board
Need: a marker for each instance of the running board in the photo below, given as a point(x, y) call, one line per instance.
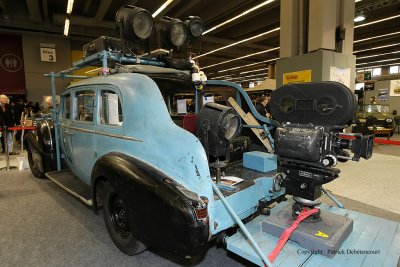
point(70, 183)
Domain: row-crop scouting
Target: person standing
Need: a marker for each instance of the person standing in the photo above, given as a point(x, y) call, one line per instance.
point(262, 105)
point(6, 120)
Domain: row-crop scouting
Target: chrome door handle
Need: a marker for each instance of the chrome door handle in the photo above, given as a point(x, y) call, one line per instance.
point(68, 132)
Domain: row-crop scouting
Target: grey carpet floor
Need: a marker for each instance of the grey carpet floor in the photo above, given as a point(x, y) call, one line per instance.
point(42, 225)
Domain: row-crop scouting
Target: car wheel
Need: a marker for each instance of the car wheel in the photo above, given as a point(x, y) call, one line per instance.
point(116, 219)
point(33, 165)
point(343, 153)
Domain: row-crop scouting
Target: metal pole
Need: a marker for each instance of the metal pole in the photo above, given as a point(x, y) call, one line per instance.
point(333, 198)
point(196, 101)
point(241, 225)
point(5, 131)
point(55, 119)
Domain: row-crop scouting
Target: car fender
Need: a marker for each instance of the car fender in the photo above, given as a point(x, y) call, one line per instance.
point(160, 210)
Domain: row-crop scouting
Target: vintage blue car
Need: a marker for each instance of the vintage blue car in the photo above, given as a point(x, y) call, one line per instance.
point(122, 152)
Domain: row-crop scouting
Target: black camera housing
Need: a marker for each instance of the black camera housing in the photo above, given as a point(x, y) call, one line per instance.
point(310, 139)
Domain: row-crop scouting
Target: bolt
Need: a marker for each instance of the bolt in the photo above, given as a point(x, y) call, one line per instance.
point(303, 186)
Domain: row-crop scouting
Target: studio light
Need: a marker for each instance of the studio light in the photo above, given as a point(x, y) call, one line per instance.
point(134, 23)
point(217, 126)
point(171, 32)
point(195, 27)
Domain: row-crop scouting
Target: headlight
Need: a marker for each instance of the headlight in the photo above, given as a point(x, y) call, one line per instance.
point(389, 120)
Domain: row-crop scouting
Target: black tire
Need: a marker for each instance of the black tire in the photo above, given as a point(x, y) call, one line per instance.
point(33, 165)
point(344, 154)
point(116, 219)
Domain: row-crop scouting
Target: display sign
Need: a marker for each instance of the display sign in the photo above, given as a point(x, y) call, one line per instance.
point(340, 75)
point(360, 77)
point(297, 76)
point(395, 88)
point(48, 54)
point(369, 86)
point(182, 108)
point(12, 71)
point(383, 94)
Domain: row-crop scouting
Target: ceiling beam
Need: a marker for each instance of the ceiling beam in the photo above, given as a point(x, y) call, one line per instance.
point(102, 10)
point(34, 11)
point(59, 19)
point(86, 6)
point(45, 10)
point(185, 8)
point(2, 5)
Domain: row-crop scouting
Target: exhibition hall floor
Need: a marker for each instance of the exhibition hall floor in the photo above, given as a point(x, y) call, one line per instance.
point(42, 225)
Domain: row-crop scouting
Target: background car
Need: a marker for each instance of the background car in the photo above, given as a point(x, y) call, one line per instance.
point(375, 116)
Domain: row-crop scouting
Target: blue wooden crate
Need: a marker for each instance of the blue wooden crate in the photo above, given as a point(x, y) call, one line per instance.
point(259, 161)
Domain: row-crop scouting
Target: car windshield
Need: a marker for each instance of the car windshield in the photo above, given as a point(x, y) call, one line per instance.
point(376, 109)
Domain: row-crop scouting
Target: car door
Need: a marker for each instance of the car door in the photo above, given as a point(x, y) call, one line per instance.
point(81, 131)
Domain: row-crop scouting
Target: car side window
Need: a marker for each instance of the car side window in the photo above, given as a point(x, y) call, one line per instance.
point(110, 108)
point(67, 107)
point(84, 105)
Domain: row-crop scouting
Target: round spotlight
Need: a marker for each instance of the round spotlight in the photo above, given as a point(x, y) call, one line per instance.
point(217, 125)
point(195, 26)
point(172, 32)
point(134, 23)
point(230, 126)
point(178, 33)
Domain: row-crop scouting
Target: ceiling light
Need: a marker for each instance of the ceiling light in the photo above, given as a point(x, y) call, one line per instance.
point(70, 6)
point(66, 26)
point(374, 48)
point(250, 55)
point(384, 60)
point(162, 8)
point(243, 72)
point(248, 65)
point(378, 66)
point(358, 1)
point(359, 18)
point(378, 55)
point(239, 42)
point(376, 21)
point(378, 36)
point(239, 16)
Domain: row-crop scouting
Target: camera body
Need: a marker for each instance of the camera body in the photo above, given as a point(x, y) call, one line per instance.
point(310, 139)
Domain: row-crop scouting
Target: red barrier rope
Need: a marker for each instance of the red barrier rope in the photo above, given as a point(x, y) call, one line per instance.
point(387, 142)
